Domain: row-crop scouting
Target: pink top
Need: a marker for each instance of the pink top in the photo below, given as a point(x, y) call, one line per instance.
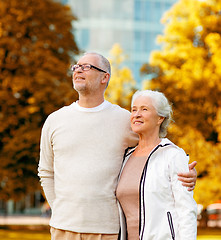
point(128, 193)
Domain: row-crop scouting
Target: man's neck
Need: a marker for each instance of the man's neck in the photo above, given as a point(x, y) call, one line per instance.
point(90, 102)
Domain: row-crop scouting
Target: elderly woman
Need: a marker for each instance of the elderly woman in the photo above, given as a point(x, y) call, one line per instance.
point(155, 205)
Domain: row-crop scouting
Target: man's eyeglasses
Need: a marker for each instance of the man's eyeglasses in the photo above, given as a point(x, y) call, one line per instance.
point(85, 67)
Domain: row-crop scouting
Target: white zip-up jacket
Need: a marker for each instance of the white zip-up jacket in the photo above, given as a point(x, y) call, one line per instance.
point(167, 209)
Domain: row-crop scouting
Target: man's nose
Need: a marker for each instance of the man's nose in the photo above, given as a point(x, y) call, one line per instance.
point(79, 69)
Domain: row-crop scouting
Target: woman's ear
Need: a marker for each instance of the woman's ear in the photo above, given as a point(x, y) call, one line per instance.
point(160, 120)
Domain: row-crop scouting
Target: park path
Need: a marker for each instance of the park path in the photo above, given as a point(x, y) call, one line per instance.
point(23, 220)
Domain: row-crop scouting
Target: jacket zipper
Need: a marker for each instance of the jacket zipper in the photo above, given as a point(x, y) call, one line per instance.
point(170, 220)
point(141, 195)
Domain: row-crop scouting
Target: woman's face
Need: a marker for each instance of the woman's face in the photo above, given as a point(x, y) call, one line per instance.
point(144, 118)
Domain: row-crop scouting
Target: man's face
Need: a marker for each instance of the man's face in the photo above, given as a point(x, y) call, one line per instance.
point(88, 81)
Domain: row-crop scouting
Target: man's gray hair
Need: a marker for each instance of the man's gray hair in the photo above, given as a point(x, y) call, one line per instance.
point(104, 63)
point(161, 105)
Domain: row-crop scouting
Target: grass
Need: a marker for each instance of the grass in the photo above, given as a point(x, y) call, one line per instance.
point(8, 234)
point(23, 235)
point(209, 234)
point(209, 237)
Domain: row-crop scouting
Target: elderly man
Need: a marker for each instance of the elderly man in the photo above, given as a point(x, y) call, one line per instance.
point(82, 147)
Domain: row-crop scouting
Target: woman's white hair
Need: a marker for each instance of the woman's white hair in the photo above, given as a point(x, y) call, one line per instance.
point(161, 105)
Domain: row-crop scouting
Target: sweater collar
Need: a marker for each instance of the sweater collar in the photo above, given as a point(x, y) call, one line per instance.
point(98, 108)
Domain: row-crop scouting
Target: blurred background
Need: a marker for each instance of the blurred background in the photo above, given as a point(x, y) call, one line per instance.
point(166, 45)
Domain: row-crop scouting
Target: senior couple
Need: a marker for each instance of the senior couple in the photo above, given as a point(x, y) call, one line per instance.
point(108, 174)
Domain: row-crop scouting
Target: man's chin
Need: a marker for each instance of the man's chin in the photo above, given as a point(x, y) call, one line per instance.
point(79, 87)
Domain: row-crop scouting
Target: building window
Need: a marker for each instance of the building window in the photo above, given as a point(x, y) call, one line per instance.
point(84, 38)
point(137, 41)
point(137, 10)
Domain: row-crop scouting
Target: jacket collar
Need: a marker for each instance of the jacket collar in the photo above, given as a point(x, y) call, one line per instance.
point(164, 142)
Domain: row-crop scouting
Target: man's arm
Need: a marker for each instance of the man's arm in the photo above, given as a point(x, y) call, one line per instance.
point(188, 179)
point(46, 166)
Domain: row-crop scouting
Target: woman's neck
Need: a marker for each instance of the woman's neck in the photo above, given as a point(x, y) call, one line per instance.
point(146, 145)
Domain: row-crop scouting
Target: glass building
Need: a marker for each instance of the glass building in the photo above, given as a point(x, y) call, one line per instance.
point(134, 24)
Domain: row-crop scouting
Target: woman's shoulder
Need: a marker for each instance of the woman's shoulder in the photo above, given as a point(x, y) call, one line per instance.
point(171, 148)
point(129, 151)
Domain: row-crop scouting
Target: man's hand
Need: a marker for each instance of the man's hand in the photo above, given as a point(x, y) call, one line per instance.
point(188, 179)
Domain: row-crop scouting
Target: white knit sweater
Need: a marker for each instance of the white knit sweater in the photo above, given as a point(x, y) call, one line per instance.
point(80, 159)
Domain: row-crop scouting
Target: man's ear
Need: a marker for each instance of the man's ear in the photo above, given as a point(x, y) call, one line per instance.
point(105, 79)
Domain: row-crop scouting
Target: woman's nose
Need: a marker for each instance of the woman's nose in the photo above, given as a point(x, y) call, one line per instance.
point(137, 113)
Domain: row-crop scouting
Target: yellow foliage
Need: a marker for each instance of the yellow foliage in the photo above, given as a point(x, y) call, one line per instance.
point(217, 123)
point(122, 83)
point(208, 157)
point(36, 41)
point(190, 76)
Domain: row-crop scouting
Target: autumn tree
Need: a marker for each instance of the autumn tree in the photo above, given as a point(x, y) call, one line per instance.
point(122, 83)
point(188, 70)
point(36, 47)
